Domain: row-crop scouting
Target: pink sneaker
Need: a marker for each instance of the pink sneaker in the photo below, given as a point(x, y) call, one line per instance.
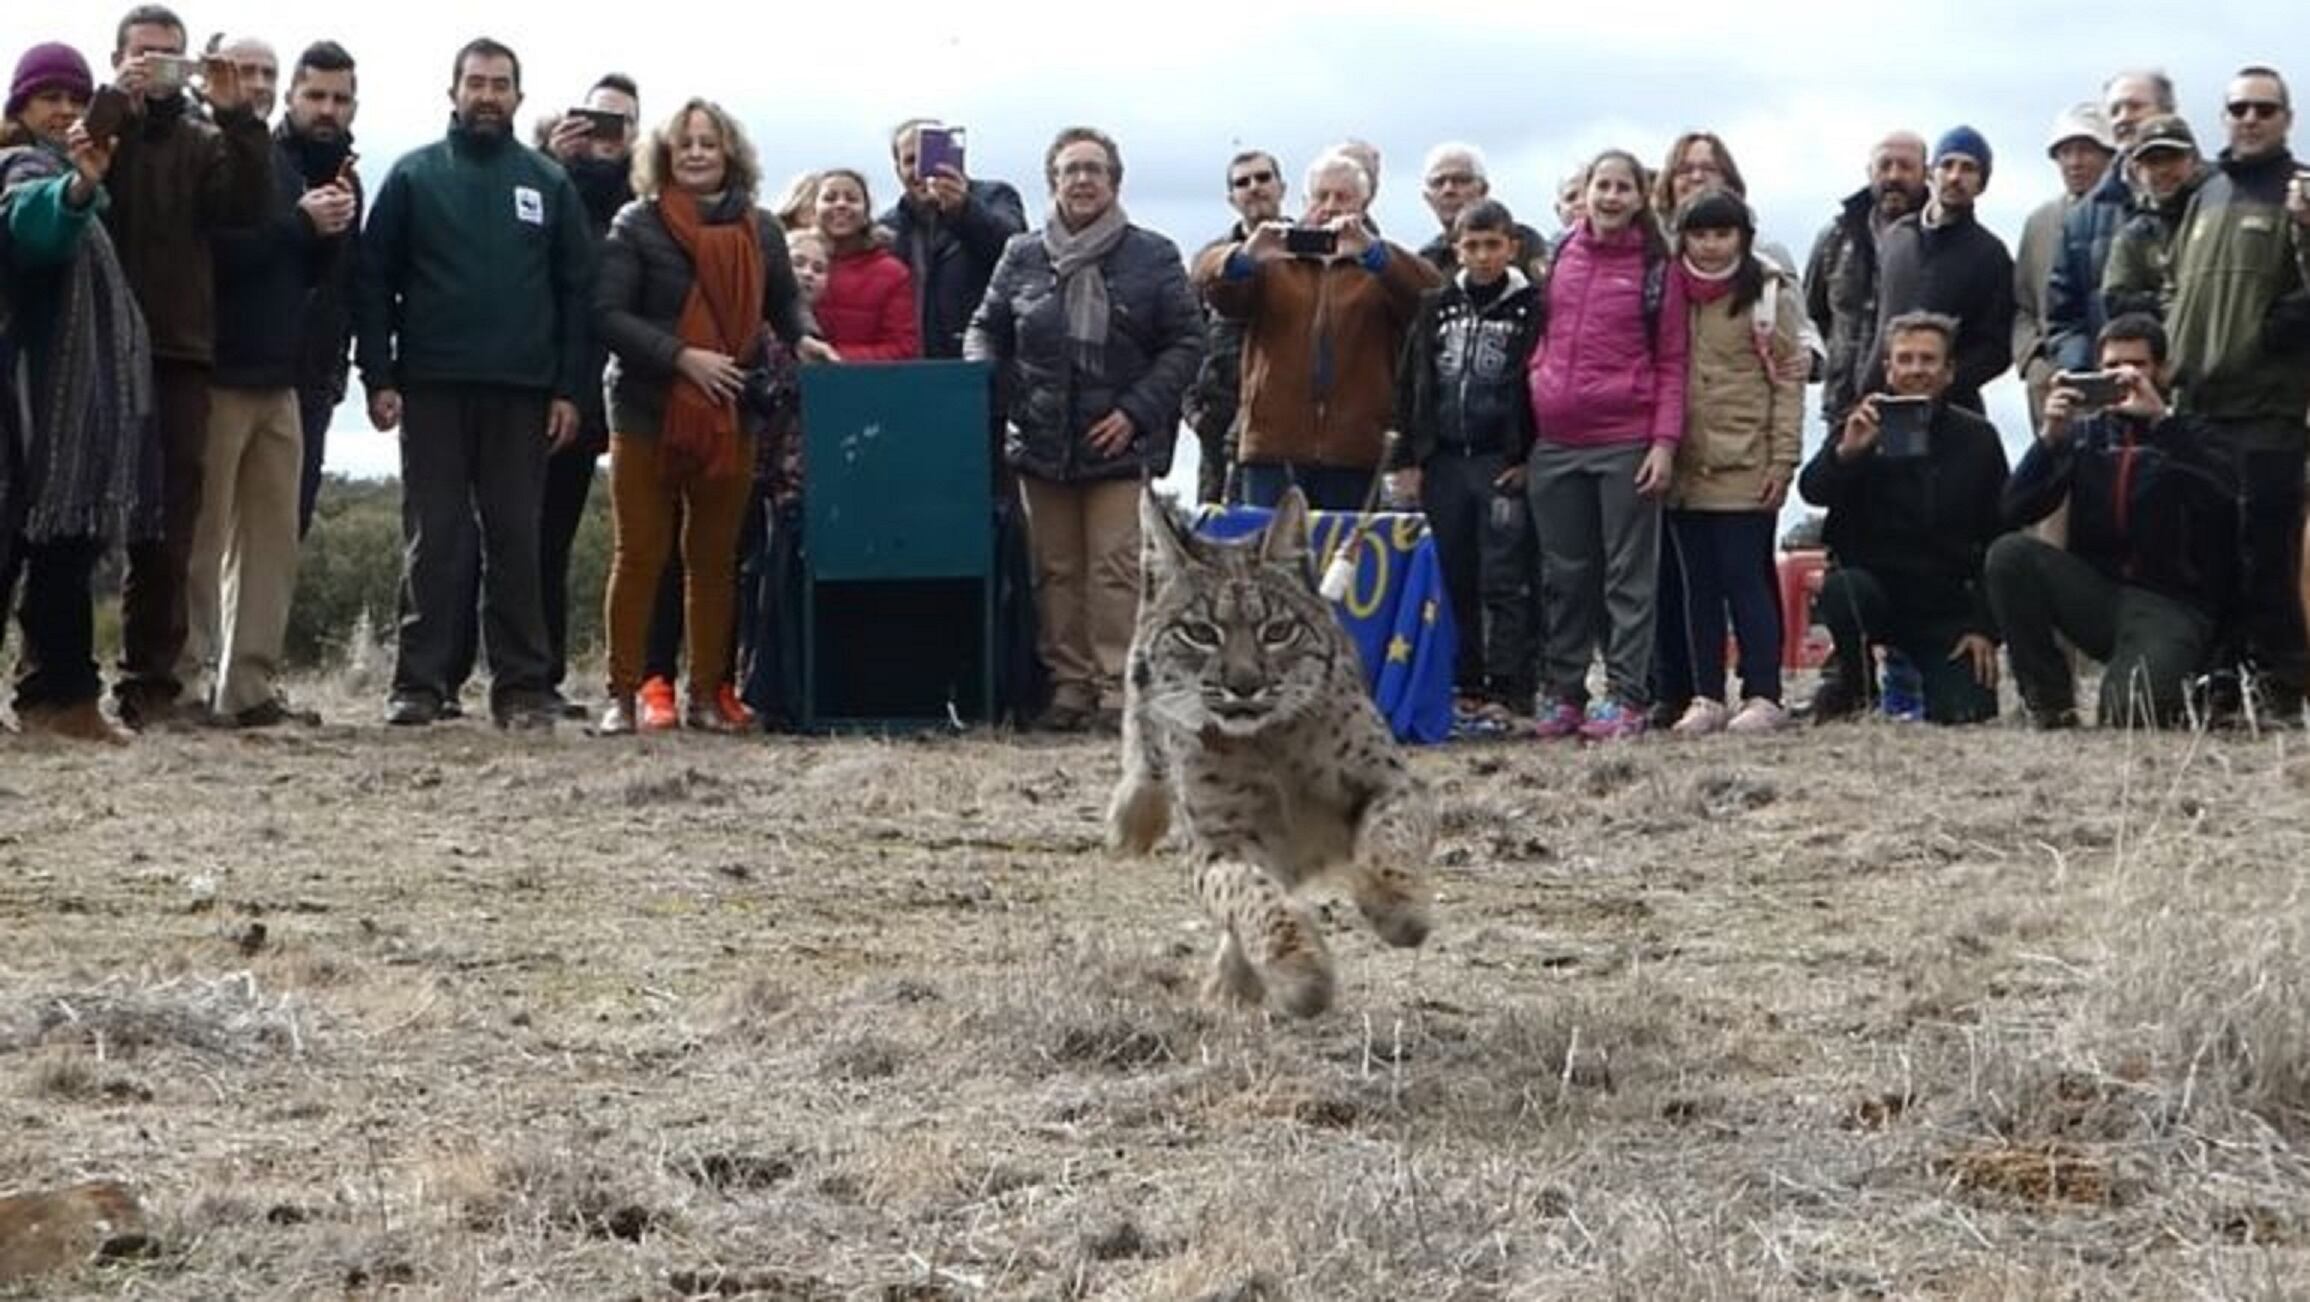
point(1558, 720)
point(1702, 717)
point(1758, 715)
point(1611, 720)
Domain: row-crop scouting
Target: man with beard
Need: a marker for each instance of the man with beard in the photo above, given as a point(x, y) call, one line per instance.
point(315, 140)
point(255, 453)
point(177, 179)
point(1255, 187)
point(1942, 260)
point(1841, 275)
point(471, 304)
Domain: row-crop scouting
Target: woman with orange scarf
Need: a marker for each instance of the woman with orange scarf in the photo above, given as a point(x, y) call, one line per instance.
point(691, 275)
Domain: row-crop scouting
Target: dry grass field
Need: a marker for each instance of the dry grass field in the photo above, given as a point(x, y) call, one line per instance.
point(1874, 1011)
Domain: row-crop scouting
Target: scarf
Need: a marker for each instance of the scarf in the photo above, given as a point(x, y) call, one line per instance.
point(1706, 286)
point(1072, 254)
point(723, 313)
point(86, 463)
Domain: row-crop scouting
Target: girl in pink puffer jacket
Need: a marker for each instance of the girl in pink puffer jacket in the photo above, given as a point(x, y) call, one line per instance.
point(1608, 383)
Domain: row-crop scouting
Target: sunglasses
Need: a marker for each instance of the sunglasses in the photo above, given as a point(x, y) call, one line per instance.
point(1250, 179)
point(2244, 109)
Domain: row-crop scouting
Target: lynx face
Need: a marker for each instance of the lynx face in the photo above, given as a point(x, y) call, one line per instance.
point(1231, 635)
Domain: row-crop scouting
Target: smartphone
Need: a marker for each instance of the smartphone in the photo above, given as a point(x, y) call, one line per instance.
point(937, 147)
point(107, 113)
point(345, 177)
point(602, 124)
point(170, 71)
point(2095, 390)
point(1311, 241)
point(1902, 433)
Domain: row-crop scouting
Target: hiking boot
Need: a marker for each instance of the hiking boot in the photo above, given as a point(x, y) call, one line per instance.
point(654, 705)
point(1701, 718)
point(1614, 720)
point(83, 721)
point(1758, 714)
point(1557, 720)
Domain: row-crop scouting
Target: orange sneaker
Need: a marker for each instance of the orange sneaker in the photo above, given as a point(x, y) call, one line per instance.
point(655, 705)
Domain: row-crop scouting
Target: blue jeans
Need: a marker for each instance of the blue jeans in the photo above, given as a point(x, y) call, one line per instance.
point(1328, 488)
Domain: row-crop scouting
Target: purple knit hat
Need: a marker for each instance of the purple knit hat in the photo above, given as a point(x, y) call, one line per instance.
point(52, 66)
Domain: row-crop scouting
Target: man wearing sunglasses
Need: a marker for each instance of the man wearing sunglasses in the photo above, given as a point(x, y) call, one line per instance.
point(1255, 191)
point(2241, 346)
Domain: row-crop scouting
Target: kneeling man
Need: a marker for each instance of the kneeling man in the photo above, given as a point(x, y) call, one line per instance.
point(2153, 540)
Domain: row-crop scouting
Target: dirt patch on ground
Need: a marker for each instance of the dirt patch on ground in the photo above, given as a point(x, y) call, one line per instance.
point(1878, 1011)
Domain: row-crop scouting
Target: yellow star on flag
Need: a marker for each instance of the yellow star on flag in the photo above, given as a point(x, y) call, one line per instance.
point(1399, 650)
point(1428, 611)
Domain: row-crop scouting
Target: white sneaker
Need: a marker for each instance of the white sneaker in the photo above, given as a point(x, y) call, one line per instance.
point(1701, 717)
point(1758, 715)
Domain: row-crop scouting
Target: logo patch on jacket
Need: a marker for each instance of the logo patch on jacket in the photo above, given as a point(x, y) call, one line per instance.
point(528, 205)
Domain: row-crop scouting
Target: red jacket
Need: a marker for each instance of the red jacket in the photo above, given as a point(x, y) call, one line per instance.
point(867, 310)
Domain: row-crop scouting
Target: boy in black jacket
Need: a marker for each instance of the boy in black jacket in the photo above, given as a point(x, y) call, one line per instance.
point(1465, 418)
point(2153, 544)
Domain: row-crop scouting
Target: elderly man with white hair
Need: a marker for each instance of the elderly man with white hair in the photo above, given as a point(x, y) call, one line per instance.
point(1325, 303)
point(1453, 177)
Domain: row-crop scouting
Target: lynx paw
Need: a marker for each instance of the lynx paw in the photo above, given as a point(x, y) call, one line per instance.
point(1137, 815)
point(1302, 983)
point(1397, 909)
point(1233, 980)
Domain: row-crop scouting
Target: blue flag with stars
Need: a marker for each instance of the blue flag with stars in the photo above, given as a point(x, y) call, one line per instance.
point(1395, 611)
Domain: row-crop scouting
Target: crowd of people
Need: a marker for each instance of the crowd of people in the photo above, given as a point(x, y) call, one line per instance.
point(1601, 426)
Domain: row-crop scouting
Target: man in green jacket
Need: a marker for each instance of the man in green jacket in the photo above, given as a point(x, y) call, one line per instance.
point(2240, 324)
point(470, 302)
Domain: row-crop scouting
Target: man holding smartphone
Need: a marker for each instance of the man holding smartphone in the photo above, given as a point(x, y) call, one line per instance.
point(1325, 305)
point(179, 177)
point(1907, 535)
point(1255, 188)
point(948, 229)
point(2151, 556)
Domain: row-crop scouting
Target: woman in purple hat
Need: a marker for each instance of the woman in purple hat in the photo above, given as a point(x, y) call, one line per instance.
point(83, 471)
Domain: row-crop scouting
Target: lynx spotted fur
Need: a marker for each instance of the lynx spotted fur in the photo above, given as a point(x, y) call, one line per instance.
point(1245, 712)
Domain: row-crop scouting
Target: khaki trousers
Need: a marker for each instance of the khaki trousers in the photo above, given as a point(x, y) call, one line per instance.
point(243, 570)
point(1085, 539)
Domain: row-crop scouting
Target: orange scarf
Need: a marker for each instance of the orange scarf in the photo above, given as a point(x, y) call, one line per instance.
point(723, 313)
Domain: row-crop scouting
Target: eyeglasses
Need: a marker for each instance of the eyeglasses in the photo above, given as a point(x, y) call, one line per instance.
point(2256, 109)
point(1250, 179)
point(1442, 179)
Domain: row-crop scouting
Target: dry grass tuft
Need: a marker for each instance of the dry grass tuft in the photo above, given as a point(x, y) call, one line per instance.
point(226, 1018)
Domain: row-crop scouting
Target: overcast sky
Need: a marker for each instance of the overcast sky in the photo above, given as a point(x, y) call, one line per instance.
point(1798, 91)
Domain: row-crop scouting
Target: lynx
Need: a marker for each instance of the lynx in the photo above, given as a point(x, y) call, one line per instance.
point(1245, 709)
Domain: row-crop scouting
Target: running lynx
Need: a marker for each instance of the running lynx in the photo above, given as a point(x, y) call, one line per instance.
point(1245, 708)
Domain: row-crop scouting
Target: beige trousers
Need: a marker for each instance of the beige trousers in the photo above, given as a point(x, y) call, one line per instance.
point(244, 554)
point(1085, 539)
